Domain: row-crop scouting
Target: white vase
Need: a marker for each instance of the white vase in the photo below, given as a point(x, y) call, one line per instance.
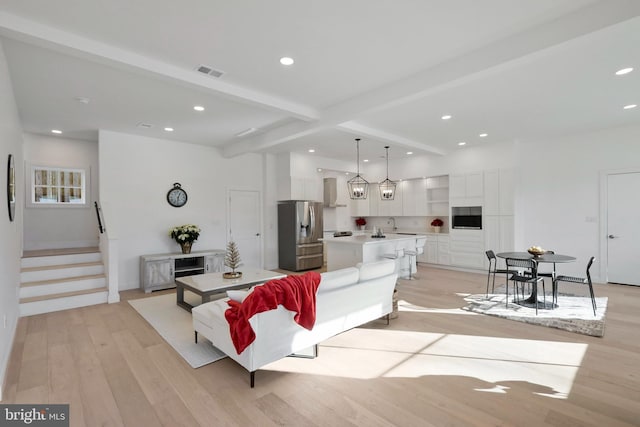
point(436, 229)
point(362, 227)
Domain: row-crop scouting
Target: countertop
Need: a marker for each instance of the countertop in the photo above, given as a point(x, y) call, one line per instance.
point(368, 232)
point(366, 239)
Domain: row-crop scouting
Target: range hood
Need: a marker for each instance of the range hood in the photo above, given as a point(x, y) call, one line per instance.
point(331, 193)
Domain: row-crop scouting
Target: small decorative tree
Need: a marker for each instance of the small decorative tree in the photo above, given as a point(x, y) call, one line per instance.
point(232, 260)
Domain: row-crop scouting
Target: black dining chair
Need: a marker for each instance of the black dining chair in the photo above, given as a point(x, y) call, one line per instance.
point(572, 279)
point(550, 274)
point(493, 269)
point(521, 277)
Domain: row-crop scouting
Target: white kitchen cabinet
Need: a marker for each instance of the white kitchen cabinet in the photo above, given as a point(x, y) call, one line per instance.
point(414, 197)
point(438, 196)
point(499, 234)
point(467, 248)
point(474, 184)
point(387, 207)
point(466, 189)
point(507, 233)
point(507, 192)
point(436, 250)
point(491, 205)
point(306, 188)
point(498, 192)
point(444, 251)
point(431, 251)
point(373, 199)
point(458, 186)
point(360, 207)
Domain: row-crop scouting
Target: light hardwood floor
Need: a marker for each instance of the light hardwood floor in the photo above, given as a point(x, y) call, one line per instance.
point(433, 366)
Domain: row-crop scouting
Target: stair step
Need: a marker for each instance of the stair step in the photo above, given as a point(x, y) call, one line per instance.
point(30, 262)
point(63, 301)
point(55, 286)
point(66, 279)
point(60, 251)
point(59, 266)
point(62, 295)
point(53, 272)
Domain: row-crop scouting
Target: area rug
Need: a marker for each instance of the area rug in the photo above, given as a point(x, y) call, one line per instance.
point(574, 313)
point(175, 325)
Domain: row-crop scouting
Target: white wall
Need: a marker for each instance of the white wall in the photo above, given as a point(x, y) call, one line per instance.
point(11, 232)
point(61, 227)
point(135, 175)
point(558, 192)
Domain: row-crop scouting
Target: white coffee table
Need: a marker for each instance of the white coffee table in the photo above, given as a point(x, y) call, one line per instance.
point(209, 284)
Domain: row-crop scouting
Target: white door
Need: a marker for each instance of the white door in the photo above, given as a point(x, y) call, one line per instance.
point(623, 228)
point(245, 226)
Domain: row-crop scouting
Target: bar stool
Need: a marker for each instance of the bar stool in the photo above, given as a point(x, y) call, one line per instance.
point(397, 256)
point(420, 242)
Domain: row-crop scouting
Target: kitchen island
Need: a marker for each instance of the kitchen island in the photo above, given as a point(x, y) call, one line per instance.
point(345, 252)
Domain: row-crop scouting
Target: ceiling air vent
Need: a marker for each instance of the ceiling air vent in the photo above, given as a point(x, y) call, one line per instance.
point(204, 69)
point(145, 125)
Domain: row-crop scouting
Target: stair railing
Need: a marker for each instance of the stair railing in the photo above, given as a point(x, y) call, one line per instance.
point(99, 215)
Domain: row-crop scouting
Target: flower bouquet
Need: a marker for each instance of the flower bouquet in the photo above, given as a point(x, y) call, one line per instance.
point(436, 224)
point(185, 235)
point(361, 222)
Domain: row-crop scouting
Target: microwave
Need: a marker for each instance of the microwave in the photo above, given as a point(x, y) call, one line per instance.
point(466, 217)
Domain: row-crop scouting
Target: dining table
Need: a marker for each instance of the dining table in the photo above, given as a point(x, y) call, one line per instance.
point(549, 258)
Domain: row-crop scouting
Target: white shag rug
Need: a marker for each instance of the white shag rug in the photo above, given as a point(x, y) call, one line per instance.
point(175, 325)
point(574, 313)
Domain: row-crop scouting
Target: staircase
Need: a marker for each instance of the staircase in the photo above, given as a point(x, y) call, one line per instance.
point(59, 279)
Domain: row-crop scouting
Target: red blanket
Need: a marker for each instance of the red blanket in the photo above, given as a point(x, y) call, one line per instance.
point(295, 293)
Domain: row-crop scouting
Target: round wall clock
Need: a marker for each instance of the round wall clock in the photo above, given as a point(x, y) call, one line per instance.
point(11, 187)
point(177, 197)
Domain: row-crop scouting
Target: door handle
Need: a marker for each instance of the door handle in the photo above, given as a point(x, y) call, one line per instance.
point(611, 236)
point(258, 234)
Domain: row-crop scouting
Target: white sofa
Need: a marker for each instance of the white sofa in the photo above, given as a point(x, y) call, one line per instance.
point(345, 299)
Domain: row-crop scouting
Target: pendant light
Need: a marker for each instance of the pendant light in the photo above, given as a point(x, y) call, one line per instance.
point(358, 186)
point(387, 187)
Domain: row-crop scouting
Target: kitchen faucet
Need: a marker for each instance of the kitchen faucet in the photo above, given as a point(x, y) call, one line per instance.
point(394, 223)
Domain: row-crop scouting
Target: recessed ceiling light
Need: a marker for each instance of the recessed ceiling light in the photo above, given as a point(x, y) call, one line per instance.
point(624, 71)
point(630, 106)
point(446, 117)
point(198, 107)
point(365, 160)
point(462, 143)
point(319, 169)
point(82, 99)
point(483, 135)
point(409, 153)
point(285, 60)
point(311, 150)
point(56, 131)
point(167, 129)
point(346, 173)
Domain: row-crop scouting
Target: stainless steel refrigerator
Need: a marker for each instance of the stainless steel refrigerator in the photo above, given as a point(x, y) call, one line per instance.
point(299, 234)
